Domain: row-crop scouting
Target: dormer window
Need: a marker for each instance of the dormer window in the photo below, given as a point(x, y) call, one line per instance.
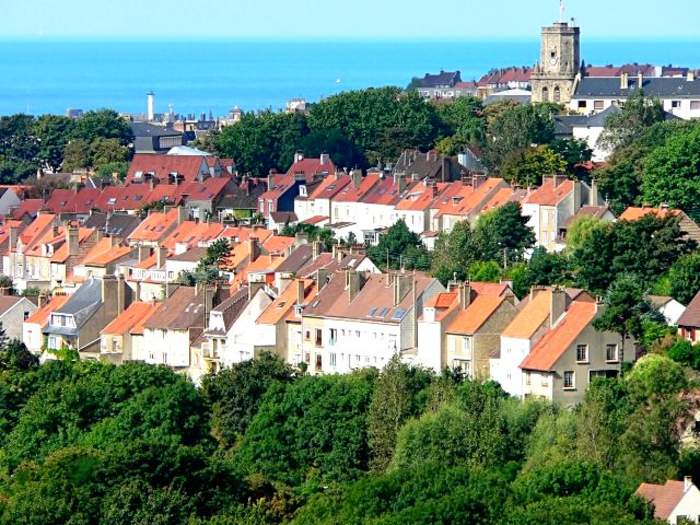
point(303, 191)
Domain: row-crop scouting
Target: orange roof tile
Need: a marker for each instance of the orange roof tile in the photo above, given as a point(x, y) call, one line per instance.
point(664, 497)
point(136, 314)
point(155, 227)
point(41, 316)
point(61, 254)
point(469, 320)
point(104, 253)
point(277, 243)
point(36, 228)
point(280, 307)
point(550, 195)
point(531, 317)
point(554, 344)
point(634, 214)
point(442, 300)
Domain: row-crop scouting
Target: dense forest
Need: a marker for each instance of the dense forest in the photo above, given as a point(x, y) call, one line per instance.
point(88, 442)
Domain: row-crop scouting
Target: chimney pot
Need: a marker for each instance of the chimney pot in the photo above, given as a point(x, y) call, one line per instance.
point(687, 483)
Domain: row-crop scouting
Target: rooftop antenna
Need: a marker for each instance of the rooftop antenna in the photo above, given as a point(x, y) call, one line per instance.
point(562, 9)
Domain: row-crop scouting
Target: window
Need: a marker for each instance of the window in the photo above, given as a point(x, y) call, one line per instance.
point(581, 353)
point(569, 380)
point(545, 94)
point(544, 380)
point(26, 315)
point(582, 104)
point(675, 104)
point(598, 105)
point(53, 342)
point(307, 335)
point(319, 337)
point(557, 94)
point(115, 345)
point(462, 366)
point(611, 353)
point(694, 105)
point(528, 378)
point(333, 336)
point(319, 361)
point(332, 359)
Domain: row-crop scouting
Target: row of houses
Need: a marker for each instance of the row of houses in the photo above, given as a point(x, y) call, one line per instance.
point(334, 312)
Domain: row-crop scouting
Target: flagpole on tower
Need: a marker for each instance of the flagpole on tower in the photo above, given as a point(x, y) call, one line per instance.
point(562, 9)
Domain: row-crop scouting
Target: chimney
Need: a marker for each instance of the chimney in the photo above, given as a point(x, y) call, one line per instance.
point(300, 238)
point(181, 214)
point(353, 283)
point(298, 156)
point(557, 305)
point(624, 81)
point(464, 291)
point(14, 235)
point(253, 248)
point(691, 75)
point(594, 198)
point(687, 483)
point(161, 255)
point(402, 285)
point(109, 293)
point(356, 176)
point(144, 252)
point(316, 249)
point(399, 182)
point(121, 293)
point(640, 80)
point(253, 289)
point(301, 290)
point(325, 158)
point(72, 239)
point(336, 253)
point(42, 299)
point(321, 277)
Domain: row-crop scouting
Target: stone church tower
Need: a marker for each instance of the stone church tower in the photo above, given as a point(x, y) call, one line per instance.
point(560, 61)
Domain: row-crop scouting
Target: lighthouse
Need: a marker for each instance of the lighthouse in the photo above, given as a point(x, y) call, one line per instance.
point(150, 106)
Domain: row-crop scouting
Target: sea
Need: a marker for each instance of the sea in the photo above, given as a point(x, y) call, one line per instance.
point(192, 77)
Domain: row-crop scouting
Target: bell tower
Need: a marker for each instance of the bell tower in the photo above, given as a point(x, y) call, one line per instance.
point(560, 61)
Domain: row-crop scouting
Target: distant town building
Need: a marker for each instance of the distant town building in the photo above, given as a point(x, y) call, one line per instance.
point(554, 77)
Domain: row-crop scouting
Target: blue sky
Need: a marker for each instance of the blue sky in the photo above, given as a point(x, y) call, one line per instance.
point(282, 19)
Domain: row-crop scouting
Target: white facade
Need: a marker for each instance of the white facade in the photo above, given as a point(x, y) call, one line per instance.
point(689, 505)
point(13, 318)
point(245, 334)
point(681, 107)
point(506, 370)
point(672, 311)
point(348, 345)
point(165, 347)
point(591, 136)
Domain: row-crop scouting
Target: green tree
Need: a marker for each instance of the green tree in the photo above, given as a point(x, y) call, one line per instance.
point(382, 122)
point(342, 150)
point(393, 402)
point(76, 155)
point(580, 230)
point(503, 235)
point(515, 128)
point(52, 133)
point(624, 312)
point(235, 393)
point(103, 123)
point(454, 253)
point(528, 167)
point(684, 278)
point(107, 151)
point(263, 141)
point(671, 172)
point(107, 171)
point(638, 113)
point(464, 120)
point(402, 247)
point(573, 151)
point(312, 429)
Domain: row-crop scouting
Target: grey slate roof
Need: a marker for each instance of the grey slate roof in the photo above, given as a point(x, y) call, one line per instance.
point(120, 224)
point(144, 129)
point(296, 260)
point(444, 78)
point(81, 305)
point(653, 87)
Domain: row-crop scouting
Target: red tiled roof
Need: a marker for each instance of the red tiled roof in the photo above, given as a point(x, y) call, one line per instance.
point(352, 193)
point(386, 192)
point(480, 309)
point(634, 214)
point(136, 314)
point(41, 316)
point(27, 206)
point(664, 497)
point(36, 228)
point(330, 186)
point(554, 344)
point(550, 195)
point(691, 316)
point(162, 165)
point(310, 167)
point(155, 227)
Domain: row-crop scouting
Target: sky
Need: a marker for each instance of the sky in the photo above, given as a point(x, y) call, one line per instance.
point(343, 19)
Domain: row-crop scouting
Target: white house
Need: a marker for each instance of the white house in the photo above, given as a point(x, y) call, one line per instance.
point(13, 312)
point(671, 309)
point(675, 502)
